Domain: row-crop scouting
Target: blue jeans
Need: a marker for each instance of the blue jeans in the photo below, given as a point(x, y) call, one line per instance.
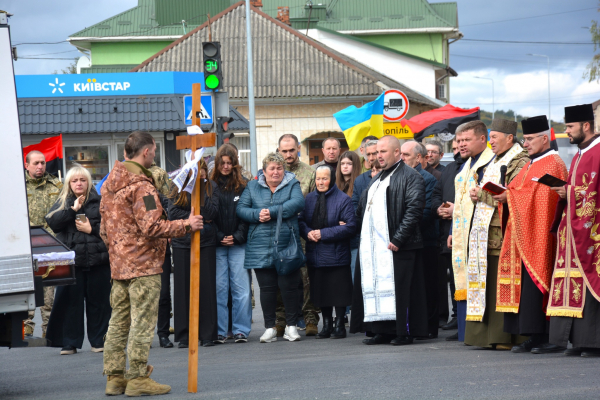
point(353, 254)
point(231, 274)
point(462, 319)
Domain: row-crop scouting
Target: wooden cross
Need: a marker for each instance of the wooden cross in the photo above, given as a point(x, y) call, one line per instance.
point(194, 142)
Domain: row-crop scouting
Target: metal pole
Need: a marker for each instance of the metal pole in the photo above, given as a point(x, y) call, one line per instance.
point(253, 152)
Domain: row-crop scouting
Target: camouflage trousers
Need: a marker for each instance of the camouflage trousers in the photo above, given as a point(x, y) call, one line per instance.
point(309, 311)
point(134, 305)
point(45, 310)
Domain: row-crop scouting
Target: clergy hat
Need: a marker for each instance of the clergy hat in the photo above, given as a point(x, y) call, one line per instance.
point(580, 113)
point(535, 125)
point(505, 126)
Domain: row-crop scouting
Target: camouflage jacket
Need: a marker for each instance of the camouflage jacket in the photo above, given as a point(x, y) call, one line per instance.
point(133, 224)
point(305, 175)
point(161, 179)
point(42, 193)
point(495, 231)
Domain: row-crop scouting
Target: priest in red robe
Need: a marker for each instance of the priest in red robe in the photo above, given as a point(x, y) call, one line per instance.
point(527, 255)
point(574, 304)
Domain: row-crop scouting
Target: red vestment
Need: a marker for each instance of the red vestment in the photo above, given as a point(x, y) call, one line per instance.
point(577, 265)
point(527, 238)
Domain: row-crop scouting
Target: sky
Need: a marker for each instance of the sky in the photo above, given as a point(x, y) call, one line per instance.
point(520, 81)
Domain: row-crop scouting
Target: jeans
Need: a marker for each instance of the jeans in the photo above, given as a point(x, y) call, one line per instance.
point(353, 255)
point(269, 281)
point(231, 274)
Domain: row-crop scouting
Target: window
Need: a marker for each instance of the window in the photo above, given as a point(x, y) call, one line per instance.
point(92, 158)
point(243, 145)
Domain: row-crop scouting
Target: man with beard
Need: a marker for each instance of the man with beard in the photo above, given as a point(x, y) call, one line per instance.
point(472, 143)
point(389, 294)
point(574, 305)
point(527, 254)
point(485, 326)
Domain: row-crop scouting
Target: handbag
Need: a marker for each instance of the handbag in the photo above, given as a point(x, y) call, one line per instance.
point(292, 258)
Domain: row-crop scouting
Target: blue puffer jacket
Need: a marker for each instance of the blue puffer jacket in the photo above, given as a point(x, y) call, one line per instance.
point(333, 250)
point(257, 196)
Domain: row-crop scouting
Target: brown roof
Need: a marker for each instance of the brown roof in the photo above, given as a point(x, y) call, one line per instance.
point(287, 64)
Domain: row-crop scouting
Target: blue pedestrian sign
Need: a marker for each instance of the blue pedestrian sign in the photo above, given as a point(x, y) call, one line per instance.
point(206, 114)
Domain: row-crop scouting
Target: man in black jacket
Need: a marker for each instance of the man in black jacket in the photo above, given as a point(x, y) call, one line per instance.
point(394, 310)
point(442, 205)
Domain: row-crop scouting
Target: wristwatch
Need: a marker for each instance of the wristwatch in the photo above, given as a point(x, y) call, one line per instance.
point(188, 228)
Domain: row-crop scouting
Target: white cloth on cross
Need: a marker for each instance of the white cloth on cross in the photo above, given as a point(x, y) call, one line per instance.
point(190, 165)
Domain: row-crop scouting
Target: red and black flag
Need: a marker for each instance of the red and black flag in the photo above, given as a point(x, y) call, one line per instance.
point(52, 148)
point(553, 143)
point(441, 120)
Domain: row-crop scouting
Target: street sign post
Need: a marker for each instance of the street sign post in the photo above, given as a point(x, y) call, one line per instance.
point(395, 105)
point(206, 110)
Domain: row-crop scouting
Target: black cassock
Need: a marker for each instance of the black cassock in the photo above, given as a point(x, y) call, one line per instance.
point(531, 319)
point(582, 332)
point(411, 306)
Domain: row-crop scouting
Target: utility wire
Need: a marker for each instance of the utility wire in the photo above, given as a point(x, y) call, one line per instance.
point(534, 16)
point(520, 42)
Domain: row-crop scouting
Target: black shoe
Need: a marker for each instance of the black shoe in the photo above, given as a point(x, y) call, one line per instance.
point(547, 348)
point(402, 341)
point(165, 342)
point(206, 343)
point(453, 324)
point(377, 339)
point(183, 345)
point(429, 336)
point(452, 338)
point(526, 346)
point(590, 352)
point(327, 329)
point(220, 339)
point(340, 329)
point(574, 351)
point(240, 338)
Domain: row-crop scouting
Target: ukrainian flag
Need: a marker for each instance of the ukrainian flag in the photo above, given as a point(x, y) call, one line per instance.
point(356, 123)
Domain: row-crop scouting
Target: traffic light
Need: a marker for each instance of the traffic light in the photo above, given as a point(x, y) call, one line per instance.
point(211, 61)
point(222, 130)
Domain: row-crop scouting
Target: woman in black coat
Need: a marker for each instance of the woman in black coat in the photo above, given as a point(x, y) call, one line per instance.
point(92, 267)
point(328, 224)
point(179, 208)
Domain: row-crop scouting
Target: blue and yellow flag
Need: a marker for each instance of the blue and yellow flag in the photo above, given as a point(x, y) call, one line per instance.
point(356, 123)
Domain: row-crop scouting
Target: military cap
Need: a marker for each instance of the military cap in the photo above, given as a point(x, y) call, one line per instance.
point(535, 125)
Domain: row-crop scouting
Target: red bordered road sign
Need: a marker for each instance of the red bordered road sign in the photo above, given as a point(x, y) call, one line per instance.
point(395, 105)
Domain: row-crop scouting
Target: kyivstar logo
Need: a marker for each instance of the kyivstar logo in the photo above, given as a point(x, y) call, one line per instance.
point(56, 86)
point(93, 86)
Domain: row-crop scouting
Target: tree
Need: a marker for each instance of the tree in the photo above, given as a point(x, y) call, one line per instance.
point(71, 68)
point(593, 68)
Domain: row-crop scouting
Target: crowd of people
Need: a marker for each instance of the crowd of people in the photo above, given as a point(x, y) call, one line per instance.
point(385, 238)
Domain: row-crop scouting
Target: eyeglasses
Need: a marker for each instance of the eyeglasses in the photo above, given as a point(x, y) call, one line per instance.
point(530, 139)
point(432, 152)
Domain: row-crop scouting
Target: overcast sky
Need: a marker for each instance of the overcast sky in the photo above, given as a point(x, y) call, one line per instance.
point(520, 81)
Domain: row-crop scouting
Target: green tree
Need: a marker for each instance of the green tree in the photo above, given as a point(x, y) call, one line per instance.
point(593, 68)
point(71, 68)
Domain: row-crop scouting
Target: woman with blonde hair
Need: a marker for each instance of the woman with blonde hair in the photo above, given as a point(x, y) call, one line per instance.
point(75, 219)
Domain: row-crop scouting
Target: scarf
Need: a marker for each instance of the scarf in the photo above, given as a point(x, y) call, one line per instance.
point(319, 217)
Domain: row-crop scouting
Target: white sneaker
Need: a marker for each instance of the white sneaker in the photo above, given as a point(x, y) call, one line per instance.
point(291, 333)
point(269, 336)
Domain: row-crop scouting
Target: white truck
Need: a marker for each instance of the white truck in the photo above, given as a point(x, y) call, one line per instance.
point(21, 246)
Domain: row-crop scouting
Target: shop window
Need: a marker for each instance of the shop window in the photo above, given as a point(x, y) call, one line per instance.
point(92, 158)
point(121, 149)
point(243, 145)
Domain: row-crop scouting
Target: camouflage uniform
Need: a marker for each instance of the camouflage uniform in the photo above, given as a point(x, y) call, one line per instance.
point(306, 175)
point(42, 193)
point(495, 230)
point(161, 179)
point(131, 300)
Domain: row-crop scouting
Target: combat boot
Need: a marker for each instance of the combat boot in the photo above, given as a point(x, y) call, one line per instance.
point(115, 385)
point(144, 386)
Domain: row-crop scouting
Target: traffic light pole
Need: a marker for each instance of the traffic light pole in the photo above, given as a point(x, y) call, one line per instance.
point(253, 154)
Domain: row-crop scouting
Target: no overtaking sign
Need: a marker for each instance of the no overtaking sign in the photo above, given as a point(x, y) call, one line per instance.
point(395, 105)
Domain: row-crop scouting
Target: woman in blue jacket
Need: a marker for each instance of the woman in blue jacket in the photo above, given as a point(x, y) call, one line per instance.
point(328, 224)
point(258, 206)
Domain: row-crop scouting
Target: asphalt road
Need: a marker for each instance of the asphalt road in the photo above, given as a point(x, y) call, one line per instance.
point(313, 369)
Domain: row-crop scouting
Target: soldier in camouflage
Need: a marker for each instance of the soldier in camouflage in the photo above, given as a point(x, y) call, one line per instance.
point(134, 228)
point(289, 148)
point(42, 193)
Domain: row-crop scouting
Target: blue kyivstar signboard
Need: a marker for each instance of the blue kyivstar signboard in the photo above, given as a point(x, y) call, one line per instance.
point(206, 114)
point(118, 84)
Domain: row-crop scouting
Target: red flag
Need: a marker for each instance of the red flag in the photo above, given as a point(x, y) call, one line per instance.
point(444, 119)
point(553, 143)
point(52, 148)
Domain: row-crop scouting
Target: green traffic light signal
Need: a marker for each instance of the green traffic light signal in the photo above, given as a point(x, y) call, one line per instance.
point(211, 82)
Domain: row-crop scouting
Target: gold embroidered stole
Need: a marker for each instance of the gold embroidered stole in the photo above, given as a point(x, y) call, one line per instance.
point(461, 220)
point(478, 241)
